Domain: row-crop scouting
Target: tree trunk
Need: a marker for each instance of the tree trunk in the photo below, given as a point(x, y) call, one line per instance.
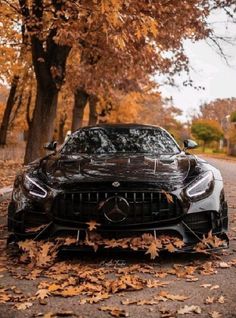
point(8, 110)
point(61, 132)
point(28, 119)
point(62, 122)
point(41, 127)
point(80, 101)
point(49, 61)
point(93, 117)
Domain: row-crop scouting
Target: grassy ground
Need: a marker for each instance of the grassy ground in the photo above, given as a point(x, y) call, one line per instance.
point(210, 152)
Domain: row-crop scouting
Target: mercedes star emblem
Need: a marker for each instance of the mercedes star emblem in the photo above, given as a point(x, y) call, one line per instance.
point(116, 184)
point(116, 209)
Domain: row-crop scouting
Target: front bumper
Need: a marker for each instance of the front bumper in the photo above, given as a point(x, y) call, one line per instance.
point(190, 224)
point(190, 229)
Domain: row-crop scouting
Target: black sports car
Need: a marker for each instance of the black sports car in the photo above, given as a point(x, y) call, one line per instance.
point(128, 178)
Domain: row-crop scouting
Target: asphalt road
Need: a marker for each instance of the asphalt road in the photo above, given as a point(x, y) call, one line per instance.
point(220, 282)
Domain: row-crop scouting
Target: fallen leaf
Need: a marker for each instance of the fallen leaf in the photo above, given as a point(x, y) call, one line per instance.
point(168, 196)
point(156, 283)
point(42, 293)
point(92, 225)
point(206, 285)
point(170, 248)
point(173, 297)
point(152, 250)
point(189, 309)
point(209, 300)
point(215, 314)
point(221, 299)
point(23, 306)
point(36, 229)
point(224, 265)
point(115, 311)
point(98, 297)
point(4, 297)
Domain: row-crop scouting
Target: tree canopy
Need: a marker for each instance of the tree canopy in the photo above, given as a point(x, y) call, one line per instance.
point(101, 47)
point(206, 130)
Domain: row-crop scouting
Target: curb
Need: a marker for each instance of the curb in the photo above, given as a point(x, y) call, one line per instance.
point(228, 158)
point(5, 193)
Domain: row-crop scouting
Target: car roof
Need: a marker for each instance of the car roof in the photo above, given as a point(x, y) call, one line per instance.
point(122, 125)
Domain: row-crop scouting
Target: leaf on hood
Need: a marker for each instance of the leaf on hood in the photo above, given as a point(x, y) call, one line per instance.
point(92, 225)
point(114, 311)
point(189, 309)
point(168, 196)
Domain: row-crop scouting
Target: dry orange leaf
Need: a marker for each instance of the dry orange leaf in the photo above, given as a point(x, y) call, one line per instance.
point(189, 309)
point(92, 225)
point(224, 265)
point(170, 248)
point(42, 293)
point(221, 299)
point(152, 250)
point(98, 297)
point(114, 311)
point(168, 196)
point(209, 300)
point(23, 306)
point(215, 314)
point(173, 297)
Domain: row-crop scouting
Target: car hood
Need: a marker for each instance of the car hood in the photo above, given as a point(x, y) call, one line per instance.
point(59, 170)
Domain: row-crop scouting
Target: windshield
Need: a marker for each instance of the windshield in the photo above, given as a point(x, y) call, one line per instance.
point(114, 140)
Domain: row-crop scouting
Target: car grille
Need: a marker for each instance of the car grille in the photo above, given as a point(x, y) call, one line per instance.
point(144, 207)
point(199, 222)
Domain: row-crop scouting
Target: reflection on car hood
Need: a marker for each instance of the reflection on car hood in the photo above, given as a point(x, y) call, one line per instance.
point(166, 169)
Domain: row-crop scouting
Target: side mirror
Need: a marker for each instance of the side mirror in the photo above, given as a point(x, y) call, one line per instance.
point(52, 146)
point(190, 144)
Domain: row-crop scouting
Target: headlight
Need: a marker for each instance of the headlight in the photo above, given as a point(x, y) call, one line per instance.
point(201, 187)
point(34, 188)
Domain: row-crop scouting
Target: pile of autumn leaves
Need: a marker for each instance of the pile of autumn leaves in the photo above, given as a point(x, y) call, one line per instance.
point(146, 242)
point(93, 284)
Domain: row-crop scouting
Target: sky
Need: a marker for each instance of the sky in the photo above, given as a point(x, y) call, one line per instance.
point(208, 69)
